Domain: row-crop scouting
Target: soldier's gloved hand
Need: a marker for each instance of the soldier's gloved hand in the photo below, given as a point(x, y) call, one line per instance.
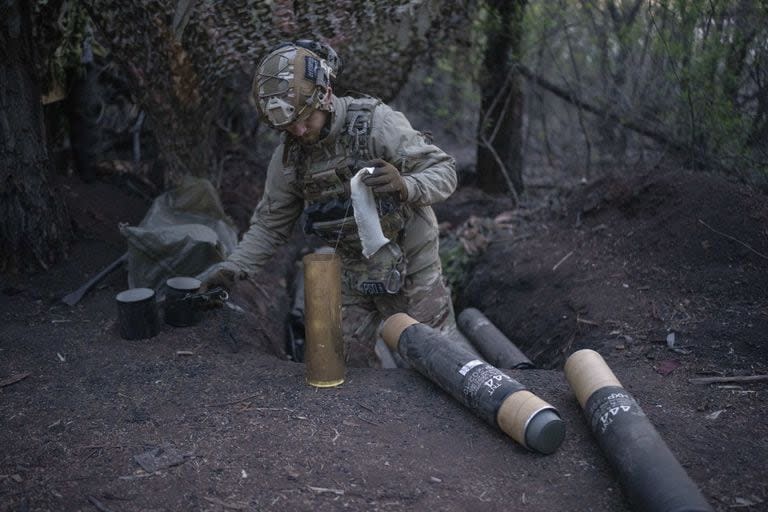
point(223, 274)
point(385, 178)
point(220, 275)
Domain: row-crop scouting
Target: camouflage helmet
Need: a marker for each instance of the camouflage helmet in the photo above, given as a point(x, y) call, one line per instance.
point(293, 80)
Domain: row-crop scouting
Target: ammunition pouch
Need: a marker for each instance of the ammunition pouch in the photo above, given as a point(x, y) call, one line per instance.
point(324, 183)
point(382, 274)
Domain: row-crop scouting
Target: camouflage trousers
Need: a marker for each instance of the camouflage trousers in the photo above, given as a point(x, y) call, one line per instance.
point(423, 296)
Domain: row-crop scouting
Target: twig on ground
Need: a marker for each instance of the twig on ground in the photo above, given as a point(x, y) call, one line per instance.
point(511, 240)
point(562, 261)
point(337, 492)
point(139, 474)
point(99, 505)
point(233, 402)
point(366, 407)
point(743, 378)
point(734, 239)
point(368, 421)
point(13, 379)
point(231, 506)
point(102, 446)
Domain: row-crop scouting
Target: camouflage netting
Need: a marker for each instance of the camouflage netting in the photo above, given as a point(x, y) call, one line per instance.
point(183, 55)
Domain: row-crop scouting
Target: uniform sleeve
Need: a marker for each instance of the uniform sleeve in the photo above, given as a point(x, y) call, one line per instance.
point(429, 172)
point(272, 221)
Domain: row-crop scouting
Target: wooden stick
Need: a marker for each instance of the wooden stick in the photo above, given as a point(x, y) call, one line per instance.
point(320, 490)
point(13, 379)
point(562, 261)
point(233, 402)
point(73, 298)
point(99, 505)
point(734, 239)
point(735, 378)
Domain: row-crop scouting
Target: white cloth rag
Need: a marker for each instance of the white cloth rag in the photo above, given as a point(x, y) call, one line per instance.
point(366, 214)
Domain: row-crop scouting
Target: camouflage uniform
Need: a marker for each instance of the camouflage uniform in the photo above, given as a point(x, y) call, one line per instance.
point(292, 184)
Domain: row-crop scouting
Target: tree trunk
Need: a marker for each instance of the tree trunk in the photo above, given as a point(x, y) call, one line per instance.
point(35, 225)
point(500, 133)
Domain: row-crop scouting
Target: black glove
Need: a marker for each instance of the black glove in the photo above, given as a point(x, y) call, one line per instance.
point(385, 178)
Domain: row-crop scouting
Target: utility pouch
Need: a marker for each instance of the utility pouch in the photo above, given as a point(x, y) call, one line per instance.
point(384, 272)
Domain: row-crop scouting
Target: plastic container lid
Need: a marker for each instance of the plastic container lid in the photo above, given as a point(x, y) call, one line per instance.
point(135, 295)
point(183, 283)
point(545, 432)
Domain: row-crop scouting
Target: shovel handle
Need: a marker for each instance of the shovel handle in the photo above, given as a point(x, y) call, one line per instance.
point(74, 297)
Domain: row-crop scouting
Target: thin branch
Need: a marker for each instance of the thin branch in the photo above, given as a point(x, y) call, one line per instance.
point(503, 168)
point(99, 505)
point(685, 84)
point(13, 379)
point(734, 239)
point(499, 94)
point(502, 115)
point(582, 125)
point(571, 97)
point(714, 380)
point(562, 261)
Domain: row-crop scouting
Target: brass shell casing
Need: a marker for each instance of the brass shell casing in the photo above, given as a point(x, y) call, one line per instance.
point(324, 354)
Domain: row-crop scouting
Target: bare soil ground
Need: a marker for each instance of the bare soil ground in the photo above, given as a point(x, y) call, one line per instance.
point(213, 418)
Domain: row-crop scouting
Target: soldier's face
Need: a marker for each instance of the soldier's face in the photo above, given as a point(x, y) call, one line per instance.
point(307, 131)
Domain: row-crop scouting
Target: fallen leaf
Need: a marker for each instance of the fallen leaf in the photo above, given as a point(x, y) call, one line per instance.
point(160, 458)
point(320, 490)
point(667, 366)
point(744, 502)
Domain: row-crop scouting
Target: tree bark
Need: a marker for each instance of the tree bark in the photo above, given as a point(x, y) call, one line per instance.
point(500, 131)
point(35, 225)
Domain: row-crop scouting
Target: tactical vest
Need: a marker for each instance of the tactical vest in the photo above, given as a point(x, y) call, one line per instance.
point(323, 175)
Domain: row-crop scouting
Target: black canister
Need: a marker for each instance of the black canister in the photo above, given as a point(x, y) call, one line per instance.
point(137, 313)
point(179, 311)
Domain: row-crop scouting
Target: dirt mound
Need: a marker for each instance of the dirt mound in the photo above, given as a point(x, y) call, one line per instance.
point(201, 418)
point(632, 261)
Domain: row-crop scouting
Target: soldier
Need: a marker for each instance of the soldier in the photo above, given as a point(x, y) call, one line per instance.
point(325, 140)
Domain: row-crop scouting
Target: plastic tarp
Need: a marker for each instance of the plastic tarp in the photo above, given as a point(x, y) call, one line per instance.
point(183, 233)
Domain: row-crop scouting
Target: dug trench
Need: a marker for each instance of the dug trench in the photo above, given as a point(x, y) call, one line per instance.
point(664, 275)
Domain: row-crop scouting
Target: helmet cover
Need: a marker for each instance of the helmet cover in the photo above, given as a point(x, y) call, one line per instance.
point(290, 83)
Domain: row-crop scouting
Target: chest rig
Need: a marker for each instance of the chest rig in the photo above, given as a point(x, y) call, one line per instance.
point(323, 174)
